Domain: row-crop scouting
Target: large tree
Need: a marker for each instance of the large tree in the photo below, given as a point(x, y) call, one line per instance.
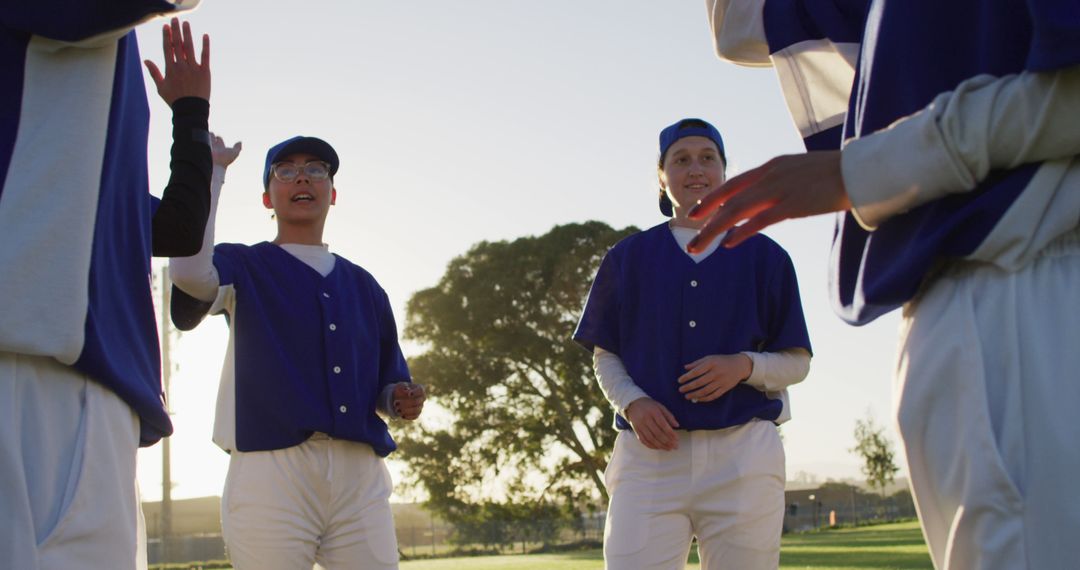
point(877, 454)
point(527, 423)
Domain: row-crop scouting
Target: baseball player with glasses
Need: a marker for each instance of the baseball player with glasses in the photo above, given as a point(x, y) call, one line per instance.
point(695, 352)
point(945, 134)
point(313, 353)
point(80, 386)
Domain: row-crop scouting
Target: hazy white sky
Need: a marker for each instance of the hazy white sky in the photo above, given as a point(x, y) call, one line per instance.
point(458, 122)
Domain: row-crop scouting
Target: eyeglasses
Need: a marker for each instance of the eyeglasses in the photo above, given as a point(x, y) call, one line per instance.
point(287, 171)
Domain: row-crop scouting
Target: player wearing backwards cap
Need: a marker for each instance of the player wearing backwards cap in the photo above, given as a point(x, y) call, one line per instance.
point(80, 386)
point(695, 352)
point(959, 192)
point(313, 352)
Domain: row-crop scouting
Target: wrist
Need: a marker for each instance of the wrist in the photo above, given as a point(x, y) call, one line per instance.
point(748, 367)
point(626, 410)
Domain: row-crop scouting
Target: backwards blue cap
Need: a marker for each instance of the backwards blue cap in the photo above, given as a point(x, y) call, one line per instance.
point(300, 144)
point(680, 130)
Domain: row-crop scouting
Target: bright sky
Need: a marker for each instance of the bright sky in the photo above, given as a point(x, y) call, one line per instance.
point(458, 122)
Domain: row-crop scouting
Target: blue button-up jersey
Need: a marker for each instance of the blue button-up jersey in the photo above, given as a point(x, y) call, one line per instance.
point(309, 353)
point(652, 305)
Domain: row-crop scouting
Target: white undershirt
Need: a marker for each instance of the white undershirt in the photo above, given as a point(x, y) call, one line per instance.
point(684, 235)
point(317, 257)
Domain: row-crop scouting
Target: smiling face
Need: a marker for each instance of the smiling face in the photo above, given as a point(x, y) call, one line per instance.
point(301, 201)
point(692, 167)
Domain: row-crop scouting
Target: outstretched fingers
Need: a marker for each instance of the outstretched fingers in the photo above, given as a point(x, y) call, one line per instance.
point(737, 200)
point(188, 44)
point(204, 61)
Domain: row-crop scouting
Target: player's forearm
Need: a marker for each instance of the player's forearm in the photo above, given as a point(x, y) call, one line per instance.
point(615, 382)
point(775, 371)
point(180, 221)
point(196, 275)
point(950, 146)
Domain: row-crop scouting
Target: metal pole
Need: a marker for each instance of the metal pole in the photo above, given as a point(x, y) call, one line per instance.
point(166, 467)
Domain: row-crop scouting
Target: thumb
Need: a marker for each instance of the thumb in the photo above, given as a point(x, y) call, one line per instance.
point(155, 73)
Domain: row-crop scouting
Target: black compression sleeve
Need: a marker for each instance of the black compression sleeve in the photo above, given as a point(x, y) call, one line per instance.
point(180, 220)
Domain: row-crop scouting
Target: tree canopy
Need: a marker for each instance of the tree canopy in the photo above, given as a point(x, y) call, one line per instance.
point(526, 420)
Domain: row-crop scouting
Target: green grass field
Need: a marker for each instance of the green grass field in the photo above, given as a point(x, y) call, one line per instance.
point(887, 546)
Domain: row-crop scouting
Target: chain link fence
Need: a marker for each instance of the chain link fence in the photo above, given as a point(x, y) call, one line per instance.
point(420, 535)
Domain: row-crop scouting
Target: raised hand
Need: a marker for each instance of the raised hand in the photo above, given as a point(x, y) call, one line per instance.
point(713, 376)
point(184, 76)
point(793, 186)
point(224, 155)
point(654, 425)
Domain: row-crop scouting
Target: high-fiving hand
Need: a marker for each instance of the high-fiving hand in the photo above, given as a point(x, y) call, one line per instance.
point(184, 76)
point(224, 155)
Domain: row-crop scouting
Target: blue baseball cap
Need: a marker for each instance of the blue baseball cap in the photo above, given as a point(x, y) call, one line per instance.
point(680, 130)
point(300, 144)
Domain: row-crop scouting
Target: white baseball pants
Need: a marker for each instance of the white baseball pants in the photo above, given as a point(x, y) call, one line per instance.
point(67, 470)
point(325, 501)
point(726, 487)
point(988, 382)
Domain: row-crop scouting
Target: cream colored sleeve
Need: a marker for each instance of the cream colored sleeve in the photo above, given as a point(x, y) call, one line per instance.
point(196, 275)
point(615, 382)
point(986, 123)
point(775, 371)
point(738, 31)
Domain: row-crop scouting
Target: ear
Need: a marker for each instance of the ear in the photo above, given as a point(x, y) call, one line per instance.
point(333, 196)
point(661, 178)
point(266, 201)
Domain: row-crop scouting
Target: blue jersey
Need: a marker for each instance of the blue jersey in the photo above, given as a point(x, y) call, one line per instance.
point(910, 52)
point(307, 353)
point(75, 206)
point(652, 305)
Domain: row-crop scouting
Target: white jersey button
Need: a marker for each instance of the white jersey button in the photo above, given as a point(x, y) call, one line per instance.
point(333, 327)
point(337, 370)
point(327, 295)
point(693, 324)
point(343, 409)
point(693, 282)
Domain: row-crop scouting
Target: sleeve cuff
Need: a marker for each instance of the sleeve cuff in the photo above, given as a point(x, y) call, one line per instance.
point(385, 403)
point(191, 106)
point(899, 168)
